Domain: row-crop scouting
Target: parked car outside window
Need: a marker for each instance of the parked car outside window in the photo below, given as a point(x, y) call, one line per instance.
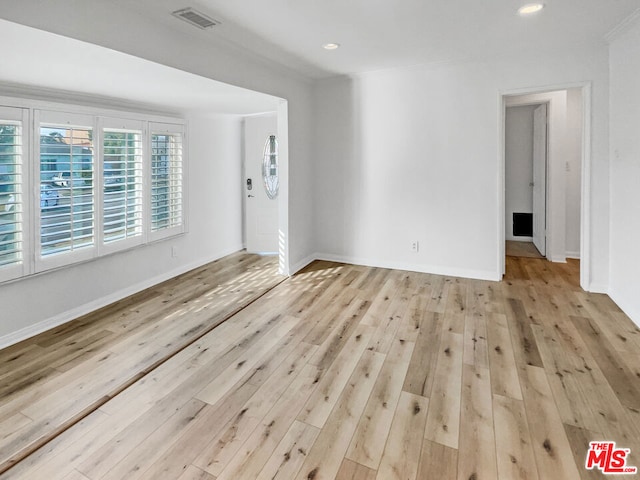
point(49, 196)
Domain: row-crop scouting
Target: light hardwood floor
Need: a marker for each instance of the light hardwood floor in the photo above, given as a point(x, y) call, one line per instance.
point(347, 372)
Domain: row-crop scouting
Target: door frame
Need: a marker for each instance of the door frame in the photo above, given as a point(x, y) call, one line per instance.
point(585, 190)
point(545, 171)
point(252, 168)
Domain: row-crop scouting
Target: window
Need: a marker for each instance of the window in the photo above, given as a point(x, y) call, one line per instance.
point(11, 201)
point(67, 203)
point(270, 167)
point(166, 179)
point(122, 184)
point(76, 185)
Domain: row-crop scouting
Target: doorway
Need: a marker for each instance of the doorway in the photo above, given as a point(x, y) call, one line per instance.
point(261, 191)
point(525, 185)
point(559, 184)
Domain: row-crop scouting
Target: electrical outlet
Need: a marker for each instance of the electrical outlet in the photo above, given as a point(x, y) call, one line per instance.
point(415, 246)
point(174, 251)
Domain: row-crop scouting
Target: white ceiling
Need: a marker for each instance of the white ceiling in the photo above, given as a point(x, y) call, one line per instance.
point(378, 34)
point(374, 34)
point(113, 78)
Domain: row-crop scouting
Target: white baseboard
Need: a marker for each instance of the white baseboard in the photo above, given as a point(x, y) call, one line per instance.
point(57, 320)
point(411, 267)
point(598, 288)
point(295, 268)
point(574, 255)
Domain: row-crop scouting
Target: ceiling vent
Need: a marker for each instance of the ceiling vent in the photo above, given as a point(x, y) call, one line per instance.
point(196, 18)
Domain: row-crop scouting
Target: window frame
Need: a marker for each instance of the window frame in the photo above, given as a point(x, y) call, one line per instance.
point(30, 113)
point(157, 128)
point(21, 268)
point(127, 125)
point(72, 120)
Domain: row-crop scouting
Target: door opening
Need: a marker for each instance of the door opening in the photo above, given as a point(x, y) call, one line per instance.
point(550, 129)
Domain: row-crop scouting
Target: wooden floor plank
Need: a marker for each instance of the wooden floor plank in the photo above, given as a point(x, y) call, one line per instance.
point(422, 370)
point(52, 400)
point(328, 451)
point(524, 345)
point(225, 444)
point(579, 440)
point(333, 381)
point(401, 455)
point(477, 448)
point(289, 455)
point(475, 341)
point(504, 373)
point(194, 473)
point(438, 461)
point(551, 447)
point(252, 456)
point(142, 456)
point(371, 434)
point(340, 371)
point(621, 378)
point(443, 418)
point(514, 451)
point(350, 470)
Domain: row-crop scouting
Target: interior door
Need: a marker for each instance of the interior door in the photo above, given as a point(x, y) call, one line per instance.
point(539, 178)
point(261, 212)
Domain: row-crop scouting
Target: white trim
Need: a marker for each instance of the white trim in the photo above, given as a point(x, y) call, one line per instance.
point(293, 269)
point(10, 272)
point(585, 201)
point(173, 129)
point(412, 267)
point(69, 315)
point(111, 124)
point(502, 189)
point(597, 288)
point(61, 119)
point(585, 191)
point(284, 266)
point(88, 109)
point(574, 255)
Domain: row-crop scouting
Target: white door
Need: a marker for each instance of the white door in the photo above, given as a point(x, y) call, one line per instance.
point(539, 178)
point(261, 212)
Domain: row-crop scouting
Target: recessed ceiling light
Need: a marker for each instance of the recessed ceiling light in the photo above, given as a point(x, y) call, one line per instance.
point(530, 8)
point(330, 46)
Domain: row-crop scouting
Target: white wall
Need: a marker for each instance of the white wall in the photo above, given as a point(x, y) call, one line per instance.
point(413, 153)
point(518, 165)
point(625, 171)
point(213, 231)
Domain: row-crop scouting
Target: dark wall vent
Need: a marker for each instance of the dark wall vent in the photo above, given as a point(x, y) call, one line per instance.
point(523, 224)
point(195, 18)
